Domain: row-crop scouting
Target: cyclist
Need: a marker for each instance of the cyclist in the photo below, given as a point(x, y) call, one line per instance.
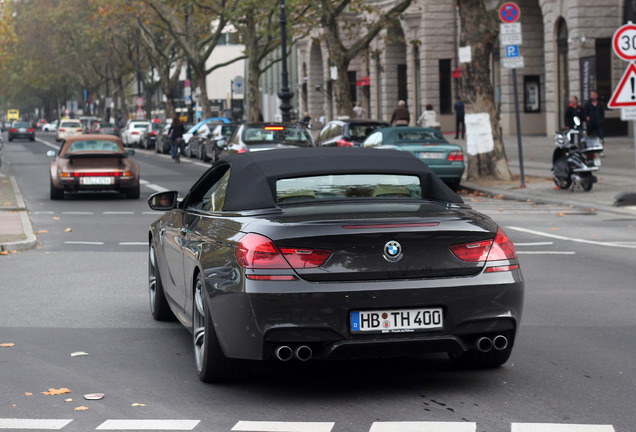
point(175, 133)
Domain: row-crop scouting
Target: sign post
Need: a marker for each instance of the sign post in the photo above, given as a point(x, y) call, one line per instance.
point(624, 96)
point(510, 36)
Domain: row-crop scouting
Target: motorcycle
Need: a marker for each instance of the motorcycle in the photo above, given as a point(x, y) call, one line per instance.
point(576, 158)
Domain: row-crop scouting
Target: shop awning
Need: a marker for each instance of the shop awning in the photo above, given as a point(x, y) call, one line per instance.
point(364, 82)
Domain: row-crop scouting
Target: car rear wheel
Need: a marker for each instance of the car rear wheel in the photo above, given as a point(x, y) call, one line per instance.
point(55, 193)
point(158, 304)
point(134, 192)
point(212, 365)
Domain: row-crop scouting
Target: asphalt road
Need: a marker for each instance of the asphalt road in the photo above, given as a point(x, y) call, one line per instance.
point(84, 290)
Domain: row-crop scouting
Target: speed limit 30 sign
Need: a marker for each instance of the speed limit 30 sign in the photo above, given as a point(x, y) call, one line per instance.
point(624, 42)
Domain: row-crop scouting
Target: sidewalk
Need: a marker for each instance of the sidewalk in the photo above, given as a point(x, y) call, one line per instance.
point(616, 176)
point(16, 232)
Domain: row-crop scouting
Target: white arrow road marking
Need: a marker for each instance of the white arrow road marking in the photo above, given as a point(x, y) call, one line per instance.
point(148, 425)
point(21, 424)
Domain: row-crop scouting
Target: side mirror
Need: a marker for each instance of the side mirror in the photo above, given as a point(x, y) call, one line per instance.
point(221, 143)
point(51, 153)
point(130, 152)
point(163, 201)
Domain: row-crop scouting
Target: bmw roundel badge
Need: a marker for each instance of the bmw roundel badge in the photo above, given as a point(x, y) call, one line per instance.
point(392, 251)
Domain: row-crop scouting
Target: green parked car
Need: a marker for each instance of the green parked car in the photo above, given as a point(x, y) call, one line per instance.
point(428, 145)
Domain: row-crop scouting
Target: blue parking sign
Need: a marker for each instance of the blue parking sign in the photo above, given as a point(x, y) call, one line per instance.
point(512, 50)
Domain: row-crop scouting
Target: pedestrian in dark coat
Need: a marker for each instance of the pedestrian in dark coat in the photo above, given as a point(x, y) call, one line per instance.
point(573, 110)
point(594, 115)
point(460, 126)
point(401, 116)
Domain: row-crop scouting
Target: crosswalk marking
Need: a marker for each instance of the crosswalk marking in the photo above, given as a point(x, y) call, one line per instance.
point(270, 426)
point(22, 424)
point(148, 425)
point(553, 427)
point(423, 427)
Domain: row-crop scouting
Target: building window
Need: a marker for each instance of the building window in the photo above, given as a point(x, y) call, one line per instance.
point(603, 69)
point(445, 87)
point(352, 86)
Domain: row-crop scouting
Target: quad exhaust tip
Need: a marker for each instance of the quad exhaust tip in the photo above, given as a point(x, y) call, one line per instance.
point(499, 343)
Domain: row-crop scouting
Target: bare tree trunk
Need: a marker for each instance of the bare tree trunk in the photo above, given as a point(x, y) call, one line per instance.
point(479, 31)
point(253, 93)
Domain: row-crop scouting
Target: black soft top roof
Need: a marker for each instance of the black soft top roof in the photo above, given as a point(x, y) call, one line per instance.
point(253, 175)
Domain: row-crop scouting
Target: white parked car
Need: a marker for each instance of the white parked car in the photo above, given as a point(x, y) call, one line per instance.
point(50, 127)
point(68, 128)
point(133, 132)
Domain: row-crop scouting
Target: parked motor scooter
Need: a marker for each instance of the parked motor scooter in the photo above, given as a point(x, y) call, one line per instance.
point(576, 158)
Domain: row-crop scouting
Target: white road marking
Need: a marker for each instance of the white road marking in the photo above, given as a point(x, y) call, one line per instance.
point(84, 242)
point(148, 425)
point(572, 239)
point(77, 213)
point(535, 244)
point(118, 213)
point(155, 187)
point(21, 424)
point(269, 426)
point(423, 427)
point(546, 252)
point(133, 243)
point(552, 427)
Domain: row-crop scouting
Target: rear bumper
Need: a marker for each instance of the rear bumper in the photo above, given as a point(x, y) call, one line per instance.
point(252, 324)
point(74, 185)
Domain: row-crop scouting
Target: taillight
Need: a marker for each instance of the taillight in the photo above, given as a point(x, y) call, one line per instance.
point(13, 130)
point(134, 133)
point(344, 143)
point(153, 133)
point(255, 251)
point(241, 150)
point(455, 156)
point(31, 130)
point(62, 130)
point(501, 248)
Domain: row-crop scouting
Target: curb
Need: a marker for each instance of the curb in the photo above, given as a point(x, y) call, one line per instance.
point(31, 241)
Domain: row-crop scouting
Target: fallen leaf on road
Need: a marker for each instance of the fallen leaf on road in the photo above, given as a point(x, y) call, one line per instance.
point(138, 404)
point(7, 345)
point(68, 400)
point(554, 229)
point(53, 391)
point(81, 408)
point(4, 253)
point(41, 232)
point(56, 218)
point(68, 230)
point(28, 394)
point(560, 214)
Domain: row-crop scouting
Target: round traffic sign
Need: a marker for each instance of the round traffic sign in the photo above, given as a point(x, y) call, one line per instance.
point(624, 42)
point(139, 101)
point(509, 13)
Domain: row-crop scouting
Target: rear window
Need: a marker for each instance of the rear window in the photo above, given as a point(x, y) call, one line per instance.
point(363, 130)
point(140, 126)
point(22, 125)
point(93, 145)
point(347, 186)
point(431, 135)
point(276, 133)
point(68, 124)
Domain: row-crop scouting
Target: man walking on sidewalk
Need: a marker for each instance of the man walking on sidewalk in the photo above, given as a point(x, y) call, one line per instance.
point(459, 118)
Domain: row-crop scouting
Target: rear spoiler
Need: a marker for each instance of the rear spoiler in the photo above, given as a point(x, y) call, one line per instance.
point(92, 155)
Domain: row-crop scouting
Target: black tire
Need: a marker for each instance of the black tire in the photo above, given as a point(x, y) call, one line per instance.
point(587, 183)
point(212, 364)
point(474, 359)
point(562, 184)
point(55, 193)
point(134, 192)
point(202, 154)
point(158, 304)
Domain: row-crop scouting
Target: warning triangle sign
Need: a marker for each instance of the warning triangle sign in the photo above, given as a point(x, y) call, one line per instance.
point(625, 93)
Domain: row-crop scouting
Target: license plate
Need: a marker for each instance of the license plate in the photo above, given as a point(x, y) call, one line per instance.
point(430, 155)
point(597, 162)
point(22, 130)
point(397, 321)
point(96, 180)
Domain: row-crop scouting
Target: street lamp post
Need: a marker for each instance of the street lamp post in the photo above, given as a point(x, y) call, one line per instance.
point(285, 95)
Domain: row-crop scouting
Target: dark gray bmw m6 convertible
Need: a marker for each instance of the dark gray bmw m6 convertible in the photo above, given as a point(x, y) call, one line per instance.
point(325, 253)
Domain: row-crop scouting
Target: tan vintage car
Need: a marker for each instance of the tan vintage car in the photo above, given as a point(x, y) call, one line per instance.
point(93, 163)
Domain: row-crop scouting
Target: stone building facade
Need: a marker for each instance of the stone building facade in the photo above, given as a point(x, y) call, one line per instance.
point(566, 46)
